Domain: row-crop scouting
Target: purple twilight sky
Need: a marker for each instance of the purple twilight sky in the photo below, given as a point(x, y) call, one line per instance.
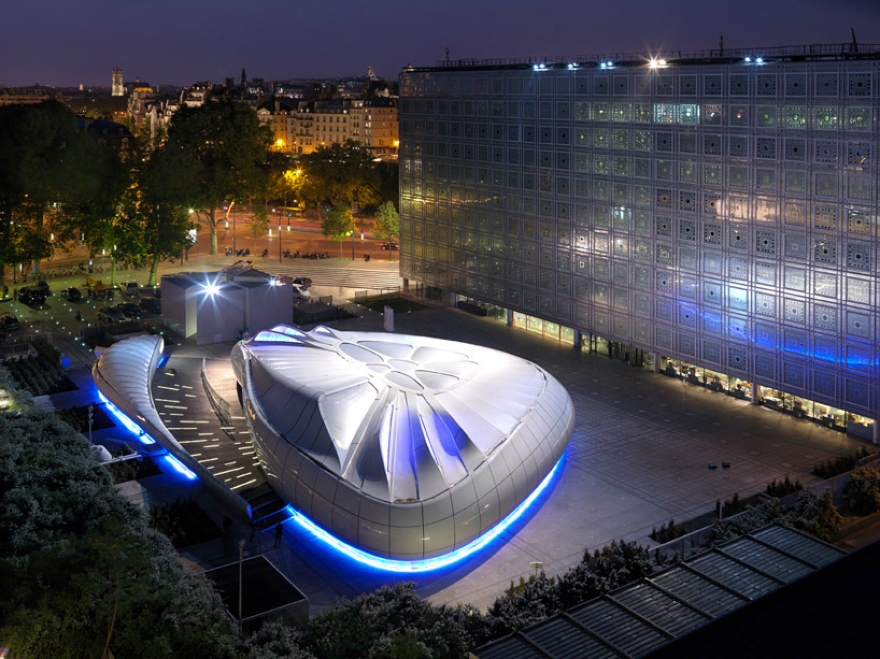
point(65, 43)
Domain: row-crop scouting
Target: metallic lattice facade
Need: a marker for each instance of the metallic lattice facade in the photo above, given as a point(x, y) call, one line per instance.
point(721, 211)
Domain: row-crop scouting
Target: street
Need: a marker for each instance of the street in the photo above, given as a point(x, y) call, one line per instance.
point(59, 316)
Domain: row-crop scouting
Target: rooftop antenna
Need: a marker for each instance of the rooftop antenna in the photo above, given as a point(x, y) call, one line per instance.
point(855, 44)
point(447, 52)
point(721, 46)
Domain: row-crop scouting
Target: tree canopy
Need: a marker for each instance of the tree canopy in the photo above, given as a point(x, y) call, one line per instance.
point(227, 145)
point(51, 171)
point(340, 174)
point(80, 571)
point(387, 224)
point(339, 224)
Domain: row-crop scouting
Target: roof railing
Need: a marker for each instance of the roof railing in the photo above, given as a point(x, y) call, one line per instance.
point(810, 52)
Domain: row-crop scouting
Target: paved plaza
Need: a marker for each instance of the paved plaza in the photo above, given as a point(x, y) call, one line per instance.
point(638, 457)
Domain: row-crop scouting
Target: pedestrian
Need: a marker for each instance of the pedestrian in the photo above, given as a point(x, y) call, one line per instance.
point(278, 533)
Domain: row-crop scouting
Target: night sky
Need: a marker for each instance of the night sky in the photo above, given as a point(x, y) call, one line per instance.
point(178, 42)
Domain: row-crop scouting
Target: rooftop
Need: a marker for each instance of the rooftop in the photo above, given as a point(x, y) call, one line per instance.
point(763, 55)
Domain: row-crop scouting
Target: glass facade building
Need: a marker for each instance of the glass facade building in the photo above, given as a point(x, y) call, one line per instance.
point(718, 212)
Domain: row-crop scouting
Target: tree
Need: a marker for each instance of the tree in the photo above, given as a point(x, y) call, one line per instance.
point(389, 180)
point(862, 492)
point(387, 225)
point(339, 224)
point(49, 167)
point(164, 183)
point(818, 515)
point(390, 622)
point(228, 144)
point(340, 173)
point(80, 572)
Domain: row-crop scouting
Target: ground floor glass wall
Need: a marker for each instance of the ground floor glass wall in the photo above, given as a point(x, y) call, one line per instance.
point(825, 415)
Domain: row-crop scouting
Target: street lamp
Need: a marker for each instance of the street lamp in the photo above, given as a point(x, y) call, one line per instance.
point(240, 560)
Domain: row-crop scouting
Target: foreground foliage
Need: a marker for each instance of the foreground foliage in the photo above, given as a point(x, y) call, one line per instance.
point(80, 571)
point(862, 493)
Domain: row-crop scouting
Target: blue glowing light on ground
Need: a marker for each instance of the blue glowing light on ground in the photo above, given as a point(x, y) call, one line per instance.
point(145, 439)
point(438, 562)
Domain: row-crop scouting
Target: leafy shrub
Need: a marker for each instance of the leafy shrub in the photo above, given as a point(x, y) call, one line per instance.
point(80, 569)
point(817, 515)
point(667, 532)
point(78, 418)
point(613, 566)
point(733, 506)
point(839, 465)
point(783, 488)
point(391, 622)
point(184, 522)
point(129, 470)
point(862, 493)
point(40, 374)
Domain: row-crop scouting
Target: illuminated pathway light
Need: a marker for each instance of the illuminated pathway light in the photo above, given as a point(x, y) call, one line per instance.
point(429, 564)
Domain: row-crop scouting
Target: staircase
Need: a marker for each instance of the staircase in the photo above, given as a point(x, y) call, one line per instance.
point(267, 508)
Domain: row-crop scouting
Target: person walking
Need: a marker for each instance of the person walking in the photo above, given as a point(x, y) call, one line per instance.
point(278, 533)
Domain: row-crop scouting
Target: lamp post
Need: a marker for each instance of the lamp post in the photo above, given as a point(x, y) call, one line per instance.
point(240, 561)
point(233, 227)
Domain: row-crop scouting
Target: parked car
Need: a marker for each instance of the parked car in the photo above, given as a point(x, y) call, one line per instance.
point(300, 292)
point(8, 323)
point(71, 294)
point(305, 282)
point(151, 305)
point(43, 286)
point(390, 246)
point(131, 288)
point(31, 295)
point(129, 309)
point(110, 315)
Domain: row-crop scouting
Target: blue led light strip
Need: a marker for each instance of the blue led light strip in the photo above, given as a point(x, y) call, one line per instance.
point(144, 438)
point(426, 564)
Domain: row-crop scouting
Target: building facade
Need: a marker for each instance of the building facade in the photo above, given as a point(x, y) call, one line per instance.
point(301, 127)
point(716, 212)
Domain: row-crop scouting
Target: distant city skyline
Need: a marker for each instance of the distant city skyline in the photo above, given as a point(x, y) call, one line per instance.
point(64, 44)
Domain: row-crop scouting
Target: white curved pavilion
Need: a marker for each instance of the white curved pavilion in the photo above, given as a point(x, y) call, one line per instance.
point(405, 447)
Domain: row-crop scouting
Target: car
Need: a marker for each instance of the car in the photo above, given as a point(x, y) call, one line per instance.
point(129, 309)
point(43, 286)
point(131, 288)
point(151, 305)
point(8, 323)
point(305, 282)
point(110, 315)
point(71, 294)
point(31, 295)
point(300, 292)
point(390, 246)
